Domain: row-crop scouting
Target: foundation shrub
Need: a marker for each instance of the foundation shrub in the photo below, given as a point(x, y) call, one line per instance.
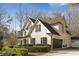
point(14, 51)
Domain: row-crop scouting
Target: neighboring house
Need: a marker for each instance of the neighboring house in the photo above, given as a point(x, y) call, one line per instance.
point(53, 32)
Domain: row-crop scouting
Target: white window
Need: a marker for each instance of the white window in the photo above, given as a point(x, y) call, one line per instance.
point(38, 28)
point(33, 41)
point(44, 40)
point(56, 27)
point(24, 33)
point(25, 41)
point(28, 24)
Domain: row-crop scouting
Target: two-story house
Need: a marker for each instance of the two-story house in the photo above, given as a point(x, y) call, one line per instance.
point(53, 32)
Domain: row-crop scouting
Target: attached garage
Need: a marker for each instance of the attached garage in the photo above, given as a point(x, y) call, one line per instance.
point(57, 43)
point(75, 42)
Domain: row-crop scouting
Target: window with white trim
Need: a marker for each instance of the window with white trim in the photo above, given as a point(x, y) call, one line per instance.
point(33, 41)
point(44, 40)
point(25, 41)
point(38, 28)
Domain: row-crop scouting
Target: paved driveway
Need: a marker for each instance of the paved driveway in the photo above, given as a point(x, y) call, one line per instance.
point(67, 52)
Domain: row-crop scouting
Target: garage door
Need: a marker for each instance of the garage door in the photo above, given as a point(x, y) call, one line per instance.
point(57, 43)
point(75, 43)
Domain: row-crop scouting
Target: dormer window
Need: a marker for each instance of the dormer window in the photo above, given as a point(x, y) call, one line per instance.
point(28, 24)
point(58, 26)
point(25, 33)
point(38, 28)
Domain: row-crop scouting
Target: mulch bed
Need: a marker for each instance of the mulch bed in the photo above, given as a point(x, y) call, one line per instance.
point(36, 53)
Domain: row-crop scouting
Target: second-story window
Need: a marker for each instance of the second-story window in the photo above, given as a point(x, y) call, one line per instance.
point(58, 26)
point(24, 33)
point(38, 28)
point(28, 24)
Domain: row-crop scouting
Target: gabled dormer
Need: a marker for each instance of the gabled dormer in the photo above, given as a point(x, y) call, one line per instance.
point(28, 25)
point(58, 26)
point(58, 23)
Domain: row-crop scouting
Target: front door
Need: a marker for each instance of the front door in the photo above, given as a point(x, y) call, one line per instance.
point(57, 43)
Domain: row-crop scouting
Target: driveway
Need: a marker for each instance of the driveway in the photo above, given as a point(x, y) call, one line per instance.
point(66, 52)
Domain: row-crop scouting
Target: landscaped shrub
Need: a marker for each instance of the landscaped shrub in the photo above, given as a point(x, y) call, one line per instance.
point(17, 46)
point(42, 45)
point(38, 49)
point(1, 38)
point(14, 51)
point(35, 48)
point(28, 45)
point(21, 51)
point(6, 51)
point(23, 46)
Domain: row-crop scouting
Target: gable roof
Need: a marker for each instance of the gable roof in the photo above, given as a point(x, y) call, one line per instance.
point(56, 20)
point(47, 24)
point(68, 32)
point(75, 38)
point(52, 30)
point(33, 20)
point(23, 36)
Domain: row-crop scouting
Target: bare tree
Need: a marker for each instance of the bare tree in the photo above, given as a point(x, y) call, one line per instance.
point(37, 14)
point(73, 19)
point(55, 15)
point(10, 40)
point(23, 14)
point(4, 19)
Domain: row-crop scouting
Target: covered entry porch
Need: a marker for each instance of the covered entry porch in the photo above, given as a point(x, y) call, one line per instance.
point(23, 40)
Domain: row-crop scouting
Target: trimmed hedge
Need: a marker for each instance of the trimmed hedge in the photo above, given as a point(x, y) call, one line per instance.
point(35, 48)
point(42, 45)
point(38, 49)
point(14, 51)
point(23, 46)
point(31, 45)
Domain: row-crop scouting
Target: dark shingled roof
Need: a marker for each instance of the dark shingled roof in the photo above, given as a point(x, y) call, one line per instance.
point(33, 20)
point(68, 32)
point(24, 36)
point(75, 38)
point(52, 30)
